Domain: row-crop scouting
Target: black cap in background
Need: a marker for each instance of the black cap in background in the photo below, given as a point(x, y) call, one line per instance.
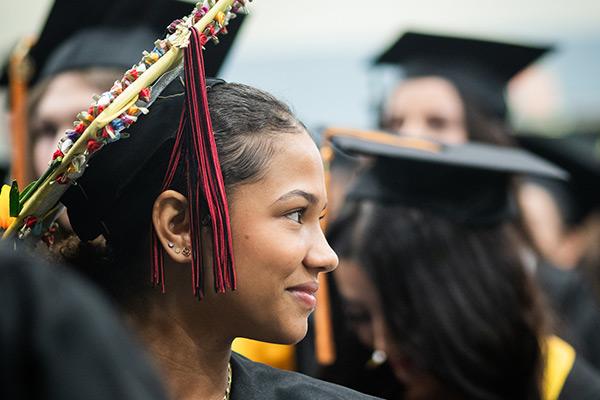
point(579, 154)
point(479, 68)
point(467, 183)
point(113, 33)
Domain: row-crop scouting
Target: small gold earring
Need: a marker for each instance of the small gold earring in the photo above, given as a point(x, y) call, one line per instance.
point(177, 250)
point(186, 252)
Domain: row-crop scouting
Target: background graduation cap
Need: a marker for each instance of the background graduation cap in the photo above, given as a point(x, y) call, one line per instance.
point(467, 183)
point(579, 154)
point(480, 69)
point(112, 33)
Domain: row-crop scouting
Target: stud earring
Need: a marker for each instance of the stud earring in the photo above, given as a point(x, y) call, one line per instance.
point(186, 252)
point(170, 245)
point(177, 250)
point(377, 358)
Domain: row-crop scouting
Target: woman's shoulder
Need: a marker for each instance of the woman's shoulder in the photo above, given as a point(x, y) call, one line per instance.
point(252, 380)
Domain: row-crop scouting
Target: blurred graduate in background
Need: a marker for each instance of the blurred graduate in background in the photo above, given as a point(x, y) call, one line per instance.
point(578, 200)
point(432, 280)
point(60, 339)
point(453, 91)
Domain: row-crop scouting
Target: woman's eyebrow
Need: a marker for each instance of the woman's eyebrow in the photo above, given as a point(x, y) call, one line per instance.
point(311, 198)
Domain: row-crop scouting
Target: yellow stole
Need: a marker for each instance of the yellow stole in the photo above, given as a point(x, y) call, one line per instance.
point(559, 359)
point(275, 355)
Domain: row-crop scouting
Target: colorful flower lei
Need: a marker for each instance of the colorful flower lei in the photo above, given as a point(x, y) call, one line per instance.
point(27, 212)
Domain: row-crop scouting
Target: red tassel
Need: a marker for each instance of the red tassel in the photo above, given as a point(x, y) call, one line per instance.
point(196, 151)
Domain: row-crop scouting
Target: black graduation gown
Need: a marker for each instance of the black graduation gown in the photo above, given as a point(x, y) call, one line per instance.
point(256, 381)
point(582, 383)
point(576, 308)
point(59, 340)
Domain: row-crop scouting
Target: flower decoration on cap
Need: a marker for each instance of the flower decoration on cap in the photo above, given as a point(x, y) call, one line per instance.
point(113, 111)
point(31, 212)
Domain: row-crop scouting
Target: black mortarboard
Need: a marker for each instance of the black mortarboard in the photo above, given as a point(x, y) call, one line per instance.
point(108, 197)
point(178, 58)
point(479, 68)
point(467, 183)
point(113, 33)
point(579, 154)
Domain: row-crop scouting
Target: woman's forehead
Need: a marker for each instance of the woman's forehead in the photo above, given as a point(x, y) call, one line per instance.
point(295, 167)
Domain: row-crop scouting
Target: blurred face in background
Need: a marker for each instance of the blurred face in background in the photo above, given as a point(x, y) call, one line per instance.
point(429, 107)
point(364, 312)
point(61, 98)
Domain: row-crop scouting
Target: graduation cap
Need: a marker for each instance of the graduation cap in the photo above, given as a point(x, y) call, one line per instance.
point(110, 34)
point(579, 154)
point(468, 183)
point(113, 33)
point(192, 154)
point(480, 69)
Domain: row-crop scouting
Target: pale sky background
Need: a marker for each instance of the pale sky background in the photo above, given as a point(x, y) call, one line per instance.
point(315, 54)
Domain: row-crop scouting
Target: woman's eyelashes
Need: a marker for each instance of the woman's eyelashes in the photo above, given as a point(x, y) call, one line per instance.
point(437, 123)
point(44, 129)
point(299, 215)
point(296, 215)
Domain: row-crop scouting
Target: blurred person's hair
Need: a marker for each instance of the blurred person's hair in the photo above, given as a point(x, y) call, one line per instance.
point(458, 300)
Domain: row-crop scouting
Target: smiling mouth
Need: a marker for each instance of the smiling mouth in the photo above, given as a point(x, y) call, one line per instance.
point(305, 294)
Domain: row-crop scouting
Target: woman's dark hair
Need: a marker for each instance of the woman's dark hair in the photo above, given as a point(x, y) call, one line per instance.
point(457, 299)
point(245, 121)
point(482, 126)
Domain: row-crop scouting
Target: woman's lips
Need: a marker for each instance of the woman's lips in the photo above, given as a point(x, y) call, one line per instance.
point(305, 293)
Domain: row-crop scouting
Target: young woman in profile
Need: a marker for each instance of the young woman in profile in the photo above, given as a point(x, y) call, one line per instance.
point(275, 191)
point(216, 195)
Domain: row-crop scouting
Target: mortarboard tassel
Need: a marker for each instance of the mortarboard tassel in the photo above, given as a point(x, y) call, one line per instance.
point(19, 74)
point(195, 150)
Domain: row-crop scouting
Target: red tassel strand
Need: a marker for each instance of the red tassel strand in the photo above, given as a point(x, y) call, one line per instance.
point(195, 149)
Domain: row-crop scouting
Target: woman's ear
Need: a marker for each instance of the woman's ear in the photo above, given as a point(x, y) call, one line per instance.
point(171, 220)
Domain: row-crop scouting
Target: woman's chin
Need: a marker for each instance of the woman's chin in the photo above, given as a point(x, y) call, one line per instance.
point(290, 332)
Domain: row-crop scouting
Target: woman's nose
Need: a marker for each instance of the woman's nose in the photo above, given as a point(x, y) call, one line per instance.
point(321, 256)
point(414, 127)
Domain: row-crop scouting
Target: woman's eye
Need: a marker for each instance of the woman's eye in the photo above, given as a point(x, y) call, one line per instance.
point(295, 216)
point(394, 123)
point(44, 130)
point(437, 123)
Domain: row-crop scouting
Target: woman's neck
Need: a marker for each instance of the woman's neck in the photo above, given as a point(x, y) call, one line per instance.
point(194, 366)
